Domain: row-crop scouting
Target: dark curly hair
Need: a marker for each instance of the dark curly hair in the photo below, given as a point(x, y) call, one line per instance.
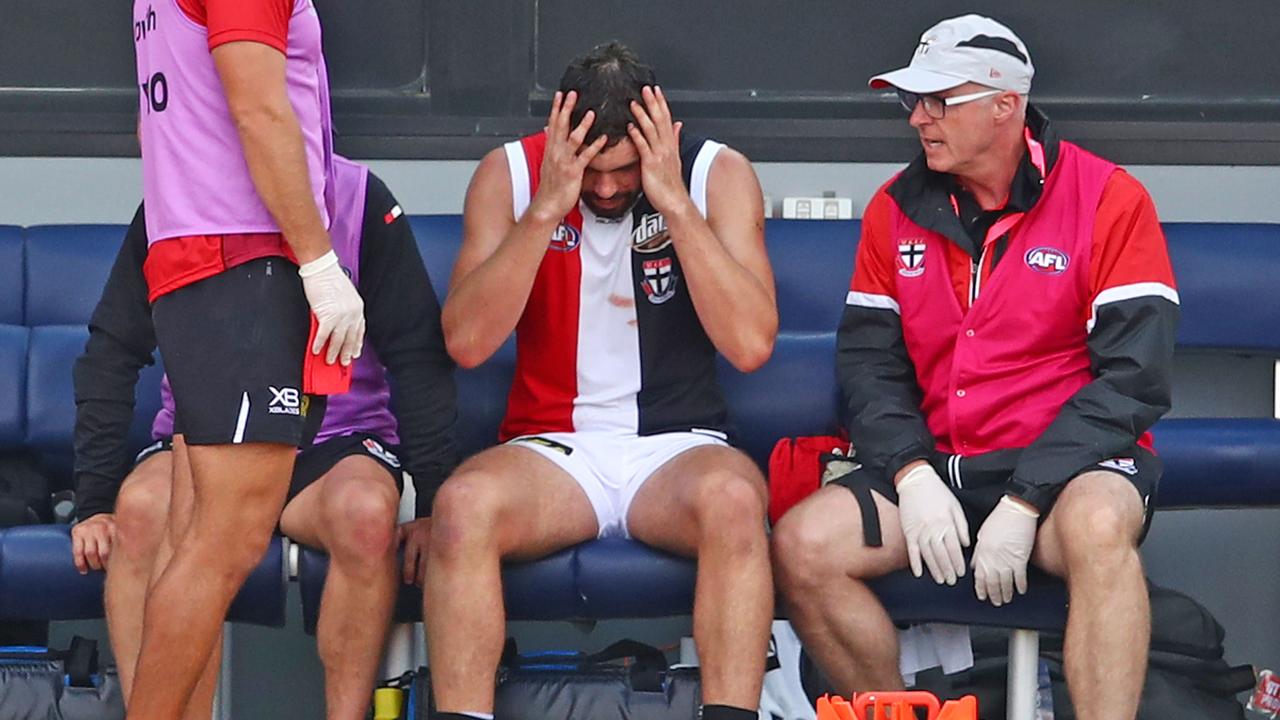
point(606, 79)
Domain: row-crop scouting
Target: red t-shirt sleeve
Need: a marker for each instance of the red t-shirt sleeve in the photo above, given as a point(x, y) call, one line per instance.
point(261, 21)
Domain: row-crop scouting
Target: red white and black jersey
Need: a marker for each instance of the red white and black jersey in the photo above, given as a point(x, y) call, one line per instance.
point(609, 339)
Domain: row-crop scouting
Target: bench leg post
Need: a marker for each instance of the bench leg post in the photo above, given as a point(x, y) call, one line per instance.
point(1024, 671)
point(399, 655)
point(222, 695)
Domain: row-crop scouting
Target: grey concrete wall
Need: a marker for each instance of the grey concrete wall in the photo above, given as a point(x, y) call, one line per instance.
point(59, 190)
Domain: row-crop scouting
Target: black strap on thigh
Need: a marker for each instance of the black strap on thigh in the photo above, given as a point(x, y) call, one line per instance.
point(870, 516)
point(858, 484)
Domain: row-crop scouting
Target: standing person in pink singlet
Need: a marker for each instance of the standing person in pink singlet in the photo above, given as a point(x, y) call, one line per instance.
point(343, 497)
point(1007, 342)
point(237, 156)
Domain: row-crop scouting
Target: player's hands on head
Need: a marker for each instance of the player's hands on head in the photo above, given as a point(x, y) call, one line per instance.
point(338, 309)
point(91, 541)
point(657, 140)
point(565, 159)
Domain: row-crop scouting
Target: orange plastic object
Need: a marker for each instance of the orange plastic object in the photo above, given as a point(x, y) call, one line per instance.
point(835, 708)
point(966, 708)
point(895, 706)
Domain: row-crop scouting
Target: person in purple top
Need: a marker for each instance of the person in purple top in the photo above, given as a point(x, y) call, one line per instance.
point(344, 492)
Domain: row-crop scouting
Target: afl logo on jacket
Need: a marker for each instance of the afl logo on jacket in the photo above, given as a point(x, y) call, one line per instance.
point(1047, 260)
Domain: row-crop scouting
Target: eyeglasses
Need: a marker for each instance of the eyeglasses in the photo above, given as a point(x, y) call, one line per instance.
point(936, 106)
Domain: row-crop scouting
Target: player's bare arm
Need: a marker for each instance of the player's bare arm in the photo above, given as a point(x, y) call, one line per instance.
point(253, 79)
point(723, 256)
point(500, 255)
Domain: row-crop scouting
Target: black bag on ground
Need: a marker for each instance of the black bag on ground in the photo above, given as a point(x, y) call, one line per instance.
point(1187, 677)
point(43, 684)
point(576, 686)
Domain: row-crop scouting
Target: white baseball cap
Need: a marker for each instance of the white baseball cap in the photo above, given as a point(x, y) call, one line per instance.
point(969, 48)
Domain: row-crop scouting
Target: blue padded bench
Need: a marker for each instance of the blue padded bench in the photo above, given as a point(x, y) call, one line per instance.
point(50, 280)
point(12, 253)
point(13, 340)
point(57, 313)
point(40, 583)
point(13, 386)
point(1230, 303)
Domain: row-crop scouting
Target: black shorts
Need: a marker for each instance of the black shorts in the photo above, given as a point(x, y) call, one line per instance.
point(155, 448)
point(980, 481)
point(313, 462)
point(234, 346)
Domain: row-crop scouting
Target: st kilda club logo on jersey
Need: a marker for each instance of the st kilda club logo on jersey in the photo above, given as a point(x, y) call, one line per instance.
point(651, 234)
point(660, 280)
point(911, 257)
point(566, 238)
point(1047, 260)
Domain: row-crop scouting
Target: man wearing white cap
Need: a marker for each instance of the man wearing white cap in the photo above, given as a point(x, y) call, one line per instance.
point(1006, 343)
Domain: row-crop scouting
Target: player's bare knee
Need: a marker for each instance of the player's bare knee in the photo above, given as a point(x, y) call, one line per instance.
point(361, 522)
point(1095, 529)
point(731, 516)
point(464, 516)
point(725, 498)
point(141, 514)
point(802, 551)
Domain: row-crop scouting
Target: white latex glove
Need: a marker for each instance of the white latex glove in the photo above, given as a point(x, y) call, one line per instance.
point(1004, 547)
point(338, 308)
point(933, 523)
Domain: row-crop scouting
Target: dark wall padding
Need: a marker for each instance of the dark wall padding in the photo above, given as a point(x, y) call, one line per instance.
point(1146, 81)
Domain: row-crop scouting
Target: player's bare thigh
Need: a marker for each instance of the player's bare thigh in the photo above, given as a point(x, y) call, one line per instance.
point(529, 505)
point(824, 534)
point(669, 506)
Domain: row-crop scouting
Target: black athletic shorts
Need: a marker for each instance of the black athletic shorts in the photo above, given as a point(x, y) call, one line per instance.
point(980, 481)
point(316, 460)
point(234, 346)
point(155, 448)
point(320, 458)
